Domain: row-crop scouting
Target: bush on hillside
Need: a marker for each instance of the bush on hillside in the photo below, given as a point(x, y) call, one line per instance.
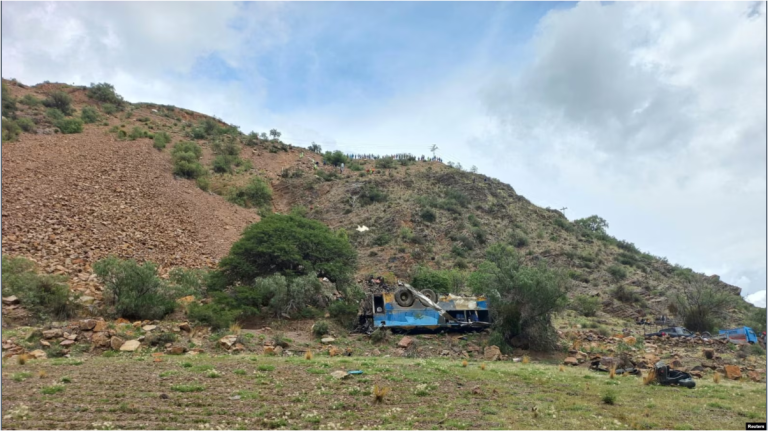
point(345, 312)
point(428, 215)
point(9, 103)
point(61, 101)
point(30, 101)
point(425, 278)
point(26, 124)
point(756, 319)
point(215, 315)
point(618, 273)
point(105, 93)
point(54, 114)
point(137, 133)
point(185, 160)
point(371, 194)
point(703, 304)
point(160, 140)
point(335, 158)
point(593, 223)
point(89, 114)
point(185, 282)
point(45, 296)
point(70, 125)
point(11, 130)
point(522, 298)
point(586, 305)
point(109, 108)
point(627, 246)
point(257, 193)
point(385, 163)
point(287, 245)
point(136, 291)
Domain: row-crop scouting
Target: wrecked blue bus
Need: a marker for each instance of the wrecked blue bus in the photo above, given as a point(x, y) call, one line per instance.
point(410, 309)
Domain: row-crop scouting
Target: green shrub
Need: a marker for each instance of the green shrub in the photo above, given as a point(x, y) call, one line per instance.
point(609, 397)
point(30, 101)
point(481, 236)
point(428, 215)
point(185, 282)
point(61, 101)
point(223, 164)
point(9, 103)
point(215, 315)
point(26, 124)
point(109, 108)
point(344, 312)
point(105, 93)
point(518, 239)
point(627, 246)
point(70, 125)
point(45, 296)
point(161, 139)
point(382, 239)
point(289, 245)
point(497, 339)
point(618, 273)
point(425, 278)
point(320, 328)
point(185, 160)
point(356, 167)
point(11, 130)
point(135, 290)
point(203, 183)
point(586, 305)
point(335, 158)
point(89, 114)
point(563, 224)
point(54, 114)
point(257, 193)
point(625, 294)
point(385, 163)
point(371, 194)
point(379, 335)
point(137, 133)
point(703, 304)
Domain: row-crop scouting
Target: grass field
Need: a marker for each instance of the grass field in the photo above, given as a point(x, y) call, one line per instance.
point(250, 392)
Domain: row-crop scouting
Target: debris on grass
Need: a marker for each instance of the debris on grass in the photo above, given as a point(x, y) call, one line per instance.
point(716, 378)
point(464, 363)
point(650, 377)
point(379, 393)
point(526, 359)
point(308, 355)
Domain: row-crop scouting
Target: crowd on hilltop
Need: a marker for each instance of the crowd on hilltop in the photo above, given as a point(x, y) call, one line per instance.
point(403, 156)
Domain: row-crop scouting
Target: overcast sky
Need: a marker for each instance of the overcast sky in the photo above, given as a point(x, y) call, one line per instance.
point(651, 115)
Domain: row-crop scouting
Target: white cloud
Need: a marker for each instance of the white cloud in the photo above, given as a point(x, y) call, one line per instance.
point(757, 298)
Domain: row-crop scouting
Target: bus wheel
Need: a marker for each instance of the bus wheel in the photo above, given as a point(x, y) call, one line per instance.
point(429, 294)
point(404, 297)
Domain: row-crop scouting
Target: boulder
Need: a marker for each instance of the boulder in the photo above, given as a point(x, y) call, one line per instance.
point(122, 321)
point(697, 374)
point(327, 340)
point(269, 350)
point(100, 326)
point(148, 328)
point(492, 353)
point(732, 372)
point(52, 333)
point(709, 365)
point(755, 376)
point(38, 354)
point(45, 343)
point(630, 340)
point(279, 350)
point(87, 325)
point(176, 350)
point(10, 300)
point(66, 343)
point(709, 353)
point(116, 343)
point(100, 339)
point(130, 346)
point(340, 375)
point(405, 342)
point(571, 361)
point(228, 341)
point(185, 327)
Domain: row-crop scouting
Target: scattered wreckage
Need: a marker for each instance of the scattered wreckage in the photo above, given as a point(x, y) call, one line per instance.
point(409, 309)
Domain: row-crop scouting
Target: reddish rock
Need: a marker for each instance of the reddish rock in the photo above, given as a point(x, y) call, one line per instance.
point(732, 372)
point(492, 353)
point(100, 326)
point(571, 361)
point(87, 325)
point(100, 339)
point(405, 342)
point(755, 376)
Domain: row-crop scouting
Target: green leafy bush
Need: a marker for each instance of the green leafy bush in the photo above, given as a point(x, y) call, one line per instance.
point(11, 130)
point(428, 215)
point(45, 296)
point(185, 160)
point(109, 108)
point(385, 163)
point(703, 304)
point(586, 305)
point(61, 101)
point(335, 158)
point(618, 273)
point(105, 93)
point(161, 139)
point(30, 101)
point(592, 224)
point(320, 328)
point(203, 183)
point(89, 114)
point(137, 133)
point(70, 125)
point(425, 278)
point(54, 114)
point(215, 315)
point(26, 124)
point(186, 282)
point(382, 239)
point(345, 312)
point(135, 290)
point(289, 245)
point(257, 193)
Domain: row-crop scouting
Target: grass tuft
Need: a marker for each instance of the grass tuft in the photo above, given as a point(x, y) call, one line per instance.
point(526, 359)
point(650, 377)
point(308, 355)
point(464, 363)
point(716, 378)
point(379, 393)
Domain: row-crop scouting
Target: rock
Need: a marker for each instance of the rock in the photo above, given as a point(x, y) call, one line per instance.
point(279, 350)
point(87, 300)
point(492, 353)
point(472, 348)
point(709, 365)
point(122, 321)
point(52, 333)
point(66, 343)
point(476, 390)
point(87, 325)
point(116, 343)
point(228, 341)
point(176, 350)
point(130, 346)
point(148, 328)
point(269, 350)
point(630, 340)
point(732, 372)
point(709, 353)
point(405, 342)
point(517, 359)
point(327, 340)
point(571, 361)
point(45, 343)
point(100, 339)
point(697, 374)
point(38, 354)
point(755, 376)
point(10, 300)
point(340, 374)
point(185, 327)
point(376, 352)
point(100, 326)
point(697, 368)
point(676, 364)
point(445, 353)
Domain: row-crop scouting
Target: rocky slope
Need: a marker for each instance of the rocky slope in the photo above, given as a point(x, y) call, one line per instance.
point(69, 200)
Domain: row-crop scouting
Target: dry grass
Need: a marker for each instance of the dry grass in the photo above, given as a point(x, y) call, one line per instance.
point(235, 329)
point(716, 378)
point(562, 368)
point(612, 371)
point(650, 377)
point(42, 374)
point(464, 363)
point(482, 366)
point(308, 355)
point(379, 393)
point(526, 359)
point(333, 351)
point(21, 359)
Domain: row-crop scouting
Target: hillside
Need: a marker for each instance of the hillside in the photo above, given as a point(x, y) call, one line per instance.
point(71, 199)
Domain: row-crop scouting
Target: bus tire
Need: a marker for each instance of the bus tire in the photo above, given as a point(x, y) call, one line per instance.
point(404, 297)
point(429, 293)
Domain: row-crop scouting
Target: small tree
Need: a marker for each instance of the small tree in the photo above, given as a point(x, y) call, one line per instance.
point(586, 305)
point(592, 224)
point(523, 299)
point(135, 290)
point(315, 148)
point(473, 169)
point(105, 93)
point(274, 134)
point(702, 304)
point(61, 101)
